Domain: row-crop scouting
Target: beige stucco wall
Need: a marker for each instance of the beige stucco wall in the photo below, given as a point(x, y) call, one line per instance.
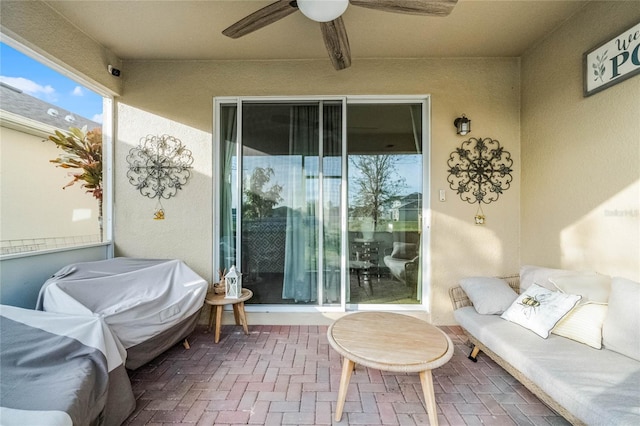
point(177, 98)
point(186, 231)
point(578, 205)
point(160, 95)
point(34, 205)
point(580, 156)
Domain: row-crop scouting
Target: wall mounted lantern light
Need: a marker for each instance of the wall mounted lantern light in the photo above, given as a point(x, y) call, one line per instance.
point(463, 125)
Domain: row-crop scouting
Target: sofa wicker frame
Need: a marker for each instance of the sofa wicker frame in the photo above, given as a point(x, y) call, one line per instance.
point(459, 299)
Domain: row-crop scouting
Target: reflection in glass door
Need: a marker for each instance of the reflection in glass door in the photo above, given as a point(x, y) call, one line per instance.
point(384, 152)
point(310, 221)
point(284, 179)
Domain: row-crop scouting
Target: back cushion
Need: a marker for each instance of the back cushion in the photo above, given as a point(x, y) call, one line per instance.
point(620, 329)
point(530, 274)
point(404, 250)
point(591, 286)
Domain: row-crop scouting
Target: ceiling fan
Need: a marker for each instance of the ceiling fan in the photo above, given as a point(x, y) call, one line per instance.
point(329, 14)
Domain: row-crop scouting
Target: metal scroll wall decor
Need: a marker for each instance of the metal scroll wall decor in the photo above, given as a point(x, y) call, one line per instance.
point(479, 171)
point(158, 167)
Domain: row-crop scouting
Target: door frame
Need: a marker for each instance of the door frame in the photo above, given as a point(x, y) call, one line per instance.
point(425, 258)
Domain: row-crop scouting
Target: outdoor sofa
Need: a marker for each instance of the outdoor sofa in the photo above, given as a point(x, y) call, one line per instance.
point(149, 304)
point(587, 368)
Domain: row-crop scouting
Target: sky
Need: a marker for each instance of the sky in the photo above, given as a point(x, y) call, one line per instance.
point(38, 80)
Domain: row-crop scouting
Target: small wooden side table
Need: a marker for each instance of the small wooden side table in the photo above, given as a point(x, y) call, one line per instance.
point(217, 302)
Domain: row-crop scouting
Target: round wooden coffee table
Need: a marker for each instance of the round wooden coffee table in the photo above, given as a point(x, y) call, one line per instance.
point(217, 302)
point(390, 342)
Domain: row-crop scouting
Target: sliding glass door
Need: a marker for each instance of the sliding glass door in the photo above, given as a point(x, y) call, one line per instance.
point(385, 163)
point(311, 220)
point(289, 192)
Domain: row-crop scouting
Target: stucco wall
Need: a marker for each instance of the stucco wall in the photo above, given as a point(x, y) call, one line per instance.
point(34, 205)
point(186, 231)
point(176, 98)
point(159, 95)
point(580, 156)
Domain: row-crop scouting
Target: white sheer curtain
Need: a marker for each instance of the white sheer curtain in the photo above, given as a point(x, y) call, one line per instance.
point(332, 173)
point(301, 247)
point(228, 129)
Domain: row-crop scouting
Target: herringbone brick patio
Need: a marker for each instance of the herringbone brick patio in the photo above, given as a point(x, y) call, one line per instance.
point(289, 375)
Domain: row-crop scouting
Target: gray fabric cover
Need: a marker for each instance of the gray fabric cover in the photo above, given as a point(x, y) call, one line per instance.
point(140, 300)
point(144, 352)
point(621, 328)
point(600, 387)
point(44, 375)
point(120, 399)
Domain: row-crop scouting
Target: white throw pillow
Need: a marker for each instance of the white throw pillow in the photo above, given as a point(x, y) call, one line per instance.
point(489, 295)
point(539, 309)
point(621, 328)
point(591, 286)
point(583, 324)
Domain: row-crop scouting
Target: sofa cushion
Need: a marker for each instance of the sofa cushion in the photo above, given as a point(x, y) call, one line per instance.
point(590, 285)
point(396, 267)
point(583, 324)
point(598, 387)
point(531, 274)
point(489, 295)
point(621, 325)
point(540, 309)
point(403, 250)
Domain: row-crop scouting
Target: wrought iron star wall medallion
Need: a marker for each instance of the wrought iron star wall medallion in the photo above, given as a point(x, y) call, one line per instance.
point(479, 171)
point(159, 167)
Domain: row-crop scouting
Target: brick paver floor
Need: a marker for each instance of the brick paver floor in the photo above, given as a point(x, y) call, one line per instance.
point(289, 375)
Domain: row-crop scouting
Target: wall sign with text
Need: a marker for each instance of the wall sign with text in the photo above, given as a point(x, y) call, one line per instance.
point(613, 61)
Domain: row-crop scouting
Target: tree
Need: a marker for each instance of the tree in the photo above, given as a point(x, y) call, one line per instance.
point(83, 152)
point(377, 184)
point(259, 202)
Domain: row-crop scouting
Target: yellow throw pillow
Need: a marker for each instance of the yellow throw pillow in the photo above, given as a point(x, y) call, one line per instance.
point(583, 324)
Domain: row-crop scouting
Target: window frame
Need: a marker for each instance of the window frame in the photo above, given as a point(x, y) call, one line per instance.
point(33, 127)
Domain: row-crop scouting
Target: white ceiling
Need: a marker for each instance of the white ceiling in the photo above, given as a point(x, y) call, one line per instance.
point(191, 30)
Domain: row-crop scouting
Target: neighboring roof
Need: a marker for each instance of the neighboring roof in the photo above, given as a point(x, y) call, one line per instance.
point(17, 102)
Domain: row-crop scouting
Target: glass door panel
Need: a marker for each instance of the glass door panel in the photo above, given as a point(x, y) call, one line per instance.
point(281, 188)
point(281, 215)
point(384, 150)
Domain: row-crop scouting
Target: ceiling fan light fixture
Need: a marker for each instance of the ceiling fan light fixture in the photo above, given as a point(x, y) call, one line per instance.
point(322, 10)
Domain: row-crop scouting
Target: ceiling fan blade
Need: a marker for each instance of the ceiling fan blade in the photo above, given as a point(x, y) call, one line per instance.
point(261, 18)
point(412, 7)
point(337, 43)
